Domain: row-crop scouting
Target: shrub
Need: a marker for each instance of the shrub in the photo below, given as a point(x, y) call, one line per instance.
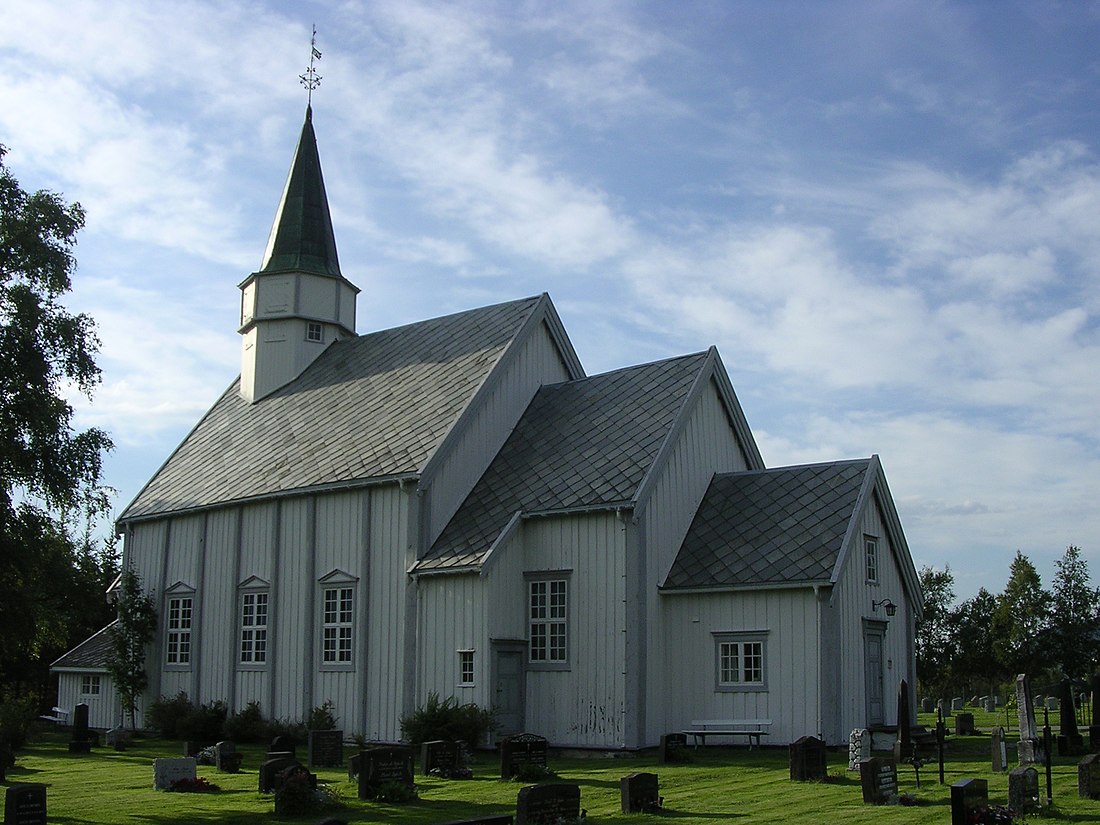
point(246, 725)
point(16, 720)
point(204, 723)
point(284, 727)
point(165, 714)
point(321, 718)
point(447, 719)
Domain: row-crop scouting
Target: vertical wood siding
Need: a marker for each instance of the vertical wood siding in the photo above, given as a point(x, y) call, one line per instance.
point(256, 558)
point(585, 705)
point(217, 651)
point(183, 564)
point(452, 618)
point(852, 605)
point(385, 612)
point(790, 699)
point(295, 620)
point(538, 362)
point(103, 709)
point(706, 445)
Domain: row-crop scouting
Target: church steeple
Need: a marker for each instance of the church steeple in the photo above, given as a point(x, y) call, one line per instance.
point(301, 236)
point(297, 303)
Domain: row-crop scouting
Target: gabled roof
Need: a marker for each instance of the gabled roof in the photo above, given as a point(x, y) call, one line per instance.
point(771, 527)
point(371, 407)
point(580, 444)
point(301, 237)
point(91, 654)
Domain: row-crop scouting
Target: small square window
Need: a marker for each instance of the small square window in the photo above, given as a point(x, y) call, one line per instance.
point(315, 332)
point(466, 667)
point(89, 685)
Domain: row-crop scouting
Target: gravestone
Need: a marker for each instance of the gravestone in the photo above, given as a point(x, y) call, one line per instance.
point(166, 772)
point(1029, 750)
point(1070, 741)
point(957, 704)
point(281, 744)
point(943, 708)
point(639, 793)
point(1088, 777)
point(1023, 790)
point(999, 749)
point(118, 738)
point(439, 755)
point(1052, 703)
point(269, 780)
point(380, 766)
point(808, 759)
point(353, 766)
point(520, 753)
point(927, 705)
point(226, 757)
point(989, 704)
point(859, 747)
point(501, 819)
point(964, 724)
point(325, 748)
point(878, 778)
point(82, 737)
point(966, 796)
point(25, 804)
point(903, 745)
point(673, 748)
point(547, 803)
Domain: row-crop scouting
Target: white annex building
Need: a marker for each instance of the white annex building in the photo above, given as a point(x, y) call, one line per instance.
point(454, 506)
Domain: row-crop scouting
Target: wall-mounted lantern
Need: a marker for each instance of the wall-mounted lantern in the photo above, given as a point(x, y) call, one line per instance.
point(891, 608)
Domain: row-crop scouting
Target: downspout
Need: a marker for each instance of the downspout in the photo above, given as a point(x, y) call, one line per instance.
point(820, 668)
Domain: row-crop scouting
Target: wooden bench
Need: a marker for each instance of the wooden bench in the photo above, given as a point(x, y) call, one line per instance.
point(60, 717)
point(751, 728)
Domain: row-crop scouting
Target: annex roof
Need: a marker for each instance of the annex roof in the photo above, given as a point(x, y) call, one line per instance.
point(768, 527)
point(370, 407)
point(580, 444)
point(91, 654)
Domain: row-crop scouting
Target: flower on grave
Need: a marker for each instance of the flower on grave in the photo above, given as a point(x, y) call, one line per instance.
point(199, 784)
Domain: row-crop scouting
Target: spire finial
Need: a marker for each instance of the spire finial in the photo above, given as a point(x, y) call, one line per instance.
point(311, 80)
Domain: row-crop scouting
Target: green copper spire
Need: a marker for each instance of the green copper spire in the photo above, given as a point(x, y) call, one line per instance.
point(301, 238)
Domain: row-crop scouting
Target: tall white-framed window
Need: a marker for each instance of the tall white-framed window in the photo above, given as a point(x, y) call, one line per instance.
point(179, 617)
point(465, 668)
point(254, 618)
point(337, 600)
point(548, 620)
point(740, 660)
point(870, 555)
point(89, 684)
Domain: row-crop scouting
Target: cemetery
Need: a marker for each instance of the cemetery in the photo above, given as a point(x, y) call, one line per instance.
point(801, 781)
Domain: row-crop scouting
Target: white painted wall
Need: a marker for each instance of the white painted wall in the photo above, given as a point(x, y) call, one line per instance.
point(103, 708)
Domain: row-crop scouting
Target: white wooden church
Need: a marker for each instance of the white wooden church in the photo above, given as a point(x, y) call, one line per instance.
point(454, 506)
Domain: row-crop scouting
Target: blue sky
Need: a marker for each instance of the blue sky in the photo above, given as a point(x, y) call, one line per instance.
point(884, 214)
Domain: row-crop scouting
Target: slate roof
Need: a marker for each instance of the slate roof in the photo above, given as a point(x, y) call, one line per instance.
point(779, 526)
point(582, 443)
point(91, 654)
point(374, 406)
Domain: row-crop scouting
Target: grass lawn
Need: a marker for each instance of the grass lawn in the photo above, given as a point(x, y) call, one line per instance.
point(719, 785)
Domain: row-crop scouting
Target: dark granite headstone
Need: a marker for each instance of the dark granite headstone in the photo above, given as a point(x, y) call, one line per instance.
point(547, 803)
point(380, 766)
point(927, 705)
point(639, 793)
point(282, 744)
point(808, 759)
point(353, 766)
point(998, 750)
point(438, 755)
point(1070, 741)
point(226, 757)
point(25, 804)
point(501, 819)
point(270, 770)
point(673, 748)
point(520, 753)
point(878, 779)
point(82, 738)
point(964, 724)
point(966, 796)
point(1088, 777)
point(326, 748)
point(1023, 790)
point(903, 746)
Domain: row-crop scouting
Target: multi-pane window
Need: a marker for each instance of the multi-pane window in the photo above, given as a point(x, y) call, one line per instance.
point(89, 684)
point(870, 552)
point(314, 332)
point(465, 667)
point(253, 628)
point(339, 603)
point(547, 616)
point(740, 661)
point(178, 642)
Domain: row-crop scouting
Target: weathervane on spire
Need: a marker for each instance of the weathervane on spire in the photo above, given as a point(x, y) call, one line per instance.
point(311, 80)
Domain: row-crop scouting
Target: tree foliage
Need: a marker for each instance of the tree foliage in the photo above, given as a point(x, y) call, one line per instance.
point(131, 633)
point(1074, 616)
point(935, 648)
point(49, 471)
point(1020, 619)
